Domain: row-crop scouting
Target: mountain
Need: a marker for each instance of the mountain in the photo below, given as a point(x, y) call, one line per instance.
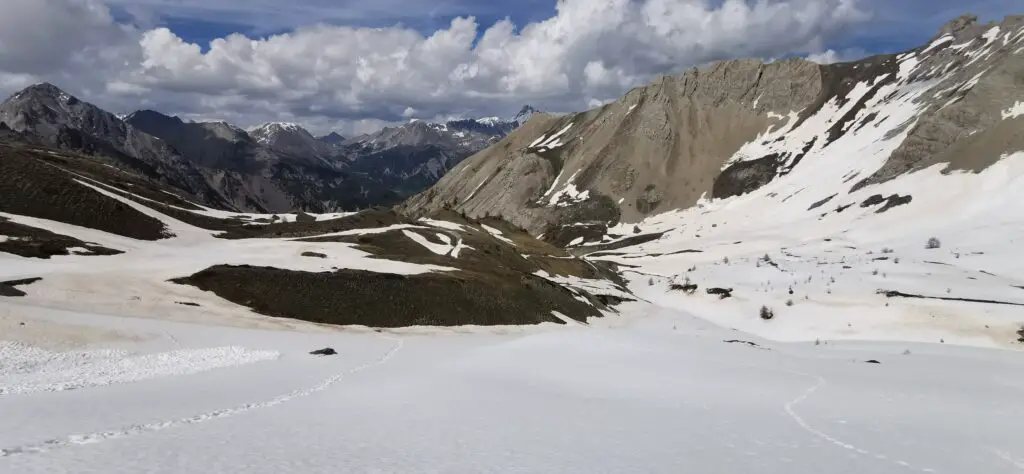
point(525, 114)
point(51, 116)
point(411, 157)
point(276, 167)
point(734, 127)
point(272, 169)
point(291, 140)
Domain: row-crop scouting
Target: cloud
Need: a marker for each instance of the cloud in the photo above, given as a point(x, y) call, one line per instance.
point(832, 56)
point(330, 76)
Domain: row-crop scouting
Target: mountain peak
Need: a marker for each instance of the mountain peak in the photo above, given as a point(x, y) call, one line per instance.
point(43, 90)
point(525, 113)
point(958, 24)
point(149, 115)
point(332, 138)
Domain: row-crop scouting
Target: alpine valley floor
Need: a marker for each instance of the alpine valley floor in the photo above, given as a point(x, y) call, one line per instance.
point(650, 390)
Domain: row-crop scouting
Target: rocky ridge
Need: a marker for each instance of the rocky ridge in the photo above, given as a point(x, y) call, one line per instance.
point(731, 127)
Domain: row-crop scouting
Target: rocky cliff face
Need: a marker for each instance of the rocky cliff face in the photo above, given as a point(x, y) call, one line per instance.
point(277, 167)
point(46, 114)
point(731, 127)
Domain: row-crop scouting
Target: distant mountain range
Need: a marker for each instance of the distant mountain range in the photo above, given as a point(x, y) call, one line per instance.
point(275, 167)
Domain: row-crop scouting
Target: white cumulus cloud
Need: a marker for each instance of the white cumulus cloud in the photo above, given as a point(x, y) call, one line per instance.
point(352, 78)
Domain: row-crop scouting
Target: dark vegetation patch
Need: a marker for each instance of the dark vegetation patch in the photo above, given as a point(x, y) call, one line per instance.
point(10, 291)
point(872, 361)
point(348, 297)
point(745, 177)
point(821, 202)
point(327, 351)
point(314, 254)
point(22, 282)
point(843, 208)
point(187, 303)
point(32, 242)
point(900, 294)
point(8, 288)
point(370, 218)
point(32, 184)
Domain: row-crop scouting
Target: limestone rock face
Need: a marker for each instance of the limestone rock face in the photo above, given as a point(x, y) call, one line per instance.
point(731, 127)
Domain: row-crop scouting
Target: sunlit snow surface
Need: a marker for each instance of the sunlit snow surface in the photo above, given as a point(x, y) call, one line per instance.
point(644, 392)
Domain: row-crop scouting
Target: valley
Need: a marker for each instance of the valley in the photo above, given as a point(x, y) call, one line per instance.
point(752, 266)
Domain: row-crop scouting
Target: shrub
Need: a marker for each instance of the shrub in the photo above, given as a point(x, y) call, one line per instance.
point(789, 302)
point(896, 260)
point(887, 250)
point(725, 260)
point(933, 243)
point(875, 273)
point(766, 313)
point(1020, 335)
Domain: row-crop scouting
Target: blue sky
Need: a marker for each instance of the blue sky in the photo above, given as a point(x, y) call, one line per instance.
point(357, 65)
point(895, 24)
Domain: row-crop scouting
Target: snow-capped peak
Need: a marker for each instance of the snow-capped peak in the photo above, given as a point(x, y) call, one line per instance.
point(525, 113)
point(492, 121)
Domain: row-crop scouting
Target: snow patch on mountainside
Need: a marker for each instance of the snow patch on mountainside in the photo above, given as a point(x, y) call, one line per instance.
point(1013, 112)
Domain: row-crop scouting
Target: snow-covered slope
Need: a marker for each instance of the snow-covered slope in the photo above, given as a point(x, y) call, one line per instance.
point(734, 126)
point(839, 174)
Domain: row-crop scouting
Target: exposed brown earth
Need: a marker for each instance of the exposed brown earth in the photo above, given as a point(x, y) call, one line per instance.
point(31, 242)
point(39, 184)
point(347, 297)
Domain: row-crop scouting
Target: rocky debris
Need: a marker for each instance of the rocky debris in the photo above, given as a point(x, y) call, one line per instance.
point(745, 176)
point(563, 236)
point(187, 303)
point(303, 218)
point(737, 341)
point(722, 293)
point(689, 288)
point(821, 203)
point(890, 202)
point(900, 294)
point(327, 351)
point(872, 361)
point(314, 254)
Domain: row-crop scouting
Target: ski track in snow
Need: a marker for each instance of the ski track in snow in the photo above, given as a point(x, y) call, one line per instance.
point(790, 410)
point(133, 430)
